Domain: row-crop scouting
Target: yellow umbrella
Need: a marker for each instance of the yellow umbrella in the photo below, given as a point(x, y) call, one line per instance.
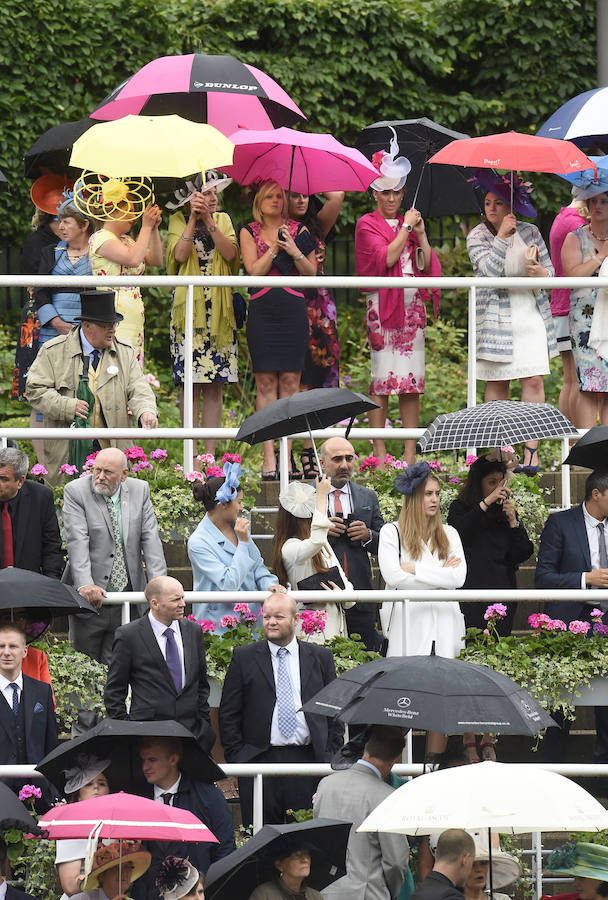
point(156, 146)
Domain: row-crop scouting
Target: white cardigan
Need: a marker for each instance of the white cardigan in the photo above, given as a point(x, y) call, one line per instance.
point(297, 558)
point(429, 621)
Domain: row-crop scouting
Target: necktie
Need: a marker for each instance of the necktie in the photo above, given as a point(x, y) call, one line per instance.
point(338, 510)
point(602, 545)
point(95, 357)
point(167, 799)
point(15, 688)
point(7, 537)
point(173, 661)
point(286, 708)
point(119, 578)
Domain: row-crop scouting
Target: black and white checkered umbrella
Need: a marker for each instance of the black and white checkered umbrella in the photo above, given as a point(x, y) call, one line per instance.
point(495, 424)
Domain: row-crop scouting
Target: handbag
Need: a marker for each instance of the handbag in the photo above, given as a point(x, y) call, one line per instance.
point(315, 582)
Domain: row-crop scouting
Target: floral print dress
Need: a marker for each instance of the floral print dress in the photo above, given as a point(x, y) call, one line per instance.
point(397, 355)
point(591, 369)
point(128, 300)
point(322, 364)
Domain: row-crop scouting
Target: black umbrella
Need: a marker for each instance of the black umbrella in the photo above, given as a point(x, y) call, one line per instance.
point(591, 451)
point(13, 814)
point(319, 408)
point(235, 876)
point(433, 190)
point(22, 588)
point(51, 152)
point(432, 693)
point(495, 424)
point(116, 740)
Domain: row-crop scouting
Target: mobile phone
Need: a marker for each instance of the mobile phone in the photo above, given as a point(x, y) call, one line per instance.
point(281, 234)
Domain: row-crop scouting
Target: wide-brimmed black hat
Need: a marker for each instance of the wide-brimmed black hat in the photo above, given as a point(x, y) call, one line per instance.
point(98, 306)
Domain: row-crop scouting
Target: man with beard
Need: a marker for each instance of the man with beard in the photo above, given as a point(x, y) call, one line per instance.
point(110, 531)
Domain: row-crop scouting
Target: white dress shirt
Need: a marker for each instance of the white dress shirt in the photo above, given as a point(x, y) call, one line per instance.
point(593, 538)
point(159, 633)
point(158, 792)
point(7, 692)
point(301, 735)
point(344, 500)
point(3, 890)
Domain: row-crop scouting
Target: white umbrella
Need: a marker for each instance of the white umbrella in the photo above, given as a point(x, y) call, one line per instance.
point(510, 798)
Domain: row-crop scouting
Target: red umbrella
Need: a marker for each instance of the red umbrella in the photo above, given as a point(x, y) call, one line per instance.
point(124, 816)
point(219, 90)
point(300, 162)
point(515, 151)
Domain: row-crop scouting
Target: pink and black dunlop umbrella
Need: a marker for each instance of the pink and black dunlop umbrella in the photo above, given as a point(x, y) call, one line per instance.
point(219, 90)
point(300, 162)
point(124, 816)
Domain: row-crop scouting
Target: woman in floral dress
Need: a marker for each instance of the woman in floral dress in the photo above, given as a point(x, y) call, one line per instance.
point(388, 243)
point(204, 244)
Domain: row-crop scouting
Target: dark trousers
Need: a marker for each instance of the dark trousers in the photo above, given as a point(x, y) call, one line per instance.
point(361, 619)
point(554, 745)
point(281, 793)
point(474, 617)
point(94, 635)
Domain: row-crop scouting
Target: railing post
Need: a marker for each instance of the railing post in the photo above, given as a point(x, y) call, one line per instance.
point(188, 349)
point(472, 354)
point(537, 846)
point(284, 463)
point(258, 802)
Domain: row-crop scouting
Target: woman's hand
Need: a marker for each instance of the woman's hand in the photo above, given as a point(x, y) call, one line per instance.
point(499, 494)
point(152, 216)
point(412, 217)
point(241, 529)
point(197, 205)
point(60, 326)
point(508, 226)
point(410, 568)
point(323, 486)
point(452, 562)
point(286, 242)
point(334, 586)
point(535, 270)
point(509, 511)
point(419, 226)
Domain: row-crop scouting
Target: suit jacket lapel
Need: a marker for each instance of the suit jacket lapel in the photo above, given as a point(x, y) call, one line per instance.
point(7, 720)
point(102, 507)
point(264, 662)
point(581, 534)
point(190, 655)
point(28, 702)
point(124, 511)
point(307, 689)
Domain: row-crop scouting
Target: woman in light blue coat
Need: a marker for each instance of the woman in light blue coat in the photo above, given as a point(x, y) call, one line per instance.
point(221, 552)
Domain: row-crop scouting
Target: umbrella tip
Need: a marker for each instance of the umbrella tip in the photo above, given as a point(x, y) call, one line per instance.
point(432, 653)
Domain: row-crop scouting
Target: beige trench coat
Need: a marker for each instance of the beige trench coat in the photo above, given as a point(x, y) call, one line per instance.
point(51, 389)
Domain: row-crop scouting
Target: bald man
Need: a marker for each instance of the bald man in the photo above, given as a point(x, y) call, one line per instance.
point(266, 684)
point(356, 522)
point(111, 532)
point(162, 658)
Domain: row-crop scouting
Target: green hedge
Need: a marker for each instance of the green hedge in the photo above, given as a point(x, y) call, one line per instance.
point(475, 65)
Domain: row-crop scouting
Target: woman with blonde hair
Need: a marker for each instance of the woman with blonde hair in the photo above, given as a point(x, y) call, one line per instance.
point(419, 552)
point(277, 323)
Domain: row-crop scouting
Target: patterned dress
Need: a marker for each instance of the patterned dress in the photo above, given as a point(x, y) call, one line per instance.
point(591, 369)
point(397, 355)
point(322, 363)
point(128, 299)
point(209, 364)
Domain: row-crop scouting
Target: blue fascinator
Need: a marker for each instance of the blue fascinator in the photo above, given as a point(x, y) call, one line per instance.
point(230, 488)
point(68, 200)
point(408, 480)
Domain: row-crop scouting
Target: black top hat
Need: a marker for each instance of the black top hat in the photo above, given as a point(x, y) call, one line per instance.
point(98, 306)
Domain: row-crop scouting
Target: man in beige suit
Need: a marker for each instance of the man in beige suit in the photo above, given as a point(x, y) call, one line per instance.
point(375, 862)
point(115, 378)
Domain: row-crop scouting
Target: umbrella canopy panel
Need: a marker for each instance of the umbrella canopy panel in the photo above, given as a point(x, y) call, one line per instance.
point(51, 152)
point(582, 119)
point(22, 588)
point(591, 451)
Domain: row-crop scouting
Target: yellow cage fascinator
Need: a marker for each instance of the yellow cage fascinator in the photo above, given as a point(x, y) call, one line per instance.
point(108, 199)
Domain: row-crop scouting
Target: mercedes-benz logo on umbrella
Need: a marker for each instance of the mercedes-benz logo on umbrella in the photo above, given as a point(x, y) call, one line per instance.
point(403, 702)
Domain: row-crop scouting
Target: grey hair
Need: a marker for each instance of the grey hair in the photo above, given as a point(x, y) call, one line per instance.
point(17, 459)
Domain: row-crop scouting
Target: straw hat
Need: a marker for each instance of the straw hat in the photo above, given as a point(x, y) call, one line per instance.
point(107, 856)
point(505, 868)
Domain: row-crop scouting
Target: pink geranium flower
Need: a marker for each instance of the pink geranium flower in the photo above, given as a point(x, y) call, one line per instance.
point(67, 469)
point(29, 791)
point(214, 472)
point(231, 458)
point(229, 621)
point(38, 470)
point(136, 453)
point(158, 454)
point(194, 476)
point(206, 459)
point(207, 625)
point(495, 609)
point(371, 462)
point(578, 627)
point(471, 458)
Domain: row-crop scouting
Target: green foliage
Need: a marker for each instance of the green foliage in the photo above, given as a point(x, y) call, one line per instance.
point(300, 815)
point(471, 65)
point(77, 681)
point(34, 861)
point(349, 652)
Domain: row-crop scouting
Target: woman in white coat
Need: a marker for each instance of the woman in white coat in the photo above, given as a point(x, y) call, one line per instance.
point(415, 553)
point(301, 549)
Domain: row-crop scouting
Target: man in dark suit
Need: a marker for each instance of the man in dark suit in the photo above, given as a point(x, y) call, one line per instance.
point(162, 657)
point(11, 893)
point(354, 541)
point(573, 553)
point(454, 858)
point(167, 783)
point(28, 729)
point(28, 522)
point(266, 684)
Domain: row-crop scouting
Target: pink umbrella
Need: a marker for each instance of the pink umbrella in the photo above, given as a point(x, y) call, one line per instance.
point(124, 816)
point(219, 90)
point(300, 162)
